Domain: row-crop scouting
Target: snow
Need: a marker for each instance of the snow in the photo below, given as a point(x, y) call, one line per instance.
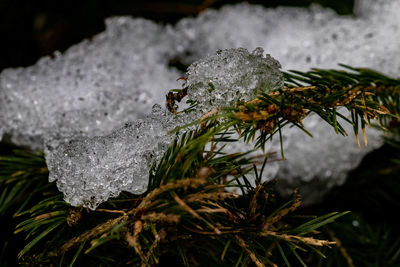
point(93, 88)
point(90, 170)
point(300, 38)
point(230, 75)
point(100, 85)
point(324, 159)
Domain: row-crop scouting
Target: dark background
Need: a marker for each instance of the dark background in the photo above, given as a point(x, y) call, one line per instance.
point(30, 29)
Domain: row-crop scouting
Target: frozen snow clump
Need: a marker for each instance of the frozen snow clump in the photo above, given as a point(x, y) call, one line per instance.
point(91, 170)
point(230, 75)
point(93, 88)
point(300, 38)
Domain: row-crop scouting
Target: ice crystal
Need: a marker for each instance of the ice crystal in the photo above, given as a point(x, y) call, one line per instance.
point(91, 170)
point(231, 75)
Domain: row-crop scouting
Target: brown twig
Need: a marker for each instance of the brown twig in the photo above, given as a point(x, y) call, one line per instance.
point(111, 211)
point(295, 204)
point(297, 239)
point(341, 248)
point(252, 256)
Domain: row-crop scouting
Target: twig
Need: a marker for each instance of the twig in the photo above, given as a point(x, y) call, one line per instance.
point(252, 256)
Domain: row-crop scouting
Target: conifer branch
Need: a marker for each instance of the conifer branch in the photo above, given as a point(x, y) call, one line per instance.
point(188, 203)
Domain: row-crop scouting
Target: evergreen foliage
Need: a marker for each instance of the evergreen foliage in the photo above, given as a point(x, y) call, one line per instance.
point(190, 214)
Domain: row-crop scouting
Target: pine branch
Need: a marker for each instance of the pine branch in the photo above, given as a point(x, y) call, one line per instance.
point(23, 175)
point(189, 204)
point(367, 95)
point(194, 208)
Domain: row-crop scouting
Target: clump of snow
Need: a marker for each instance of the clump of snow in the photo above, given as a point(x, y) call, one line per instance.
point(93, 88)
point(90, 170)
point(230, 75)
point(300, 38)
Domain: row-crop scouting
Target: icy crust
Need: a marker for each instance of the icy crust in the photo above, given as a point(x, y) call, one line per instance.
point(301, 38)
point(91, 170)
point(93, 88)
point(230, 75)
